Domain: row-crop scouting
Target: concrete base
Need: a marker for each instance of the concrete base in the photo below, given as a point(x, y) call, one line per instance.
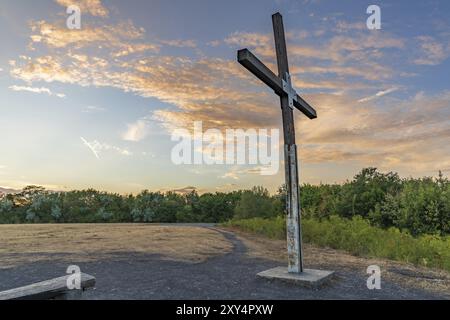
point(308, 278)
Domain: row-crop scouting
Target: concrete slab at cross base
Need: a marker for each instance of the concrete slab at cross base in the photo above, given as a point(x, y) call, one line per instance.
point(309, 278)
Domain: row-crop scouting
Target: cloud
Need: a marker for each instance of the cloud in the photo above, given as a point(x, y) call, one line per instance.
point(232, 174)
point(227, 187)
point(249, 39)
point(236, 172)
point(338, 48)
point(354, 54)
point(185, 190)
point(17, 185)
point(180, 43)
point(378, 95)
point(368, 71)
point(121, 39)
point(345, 26)
point(199, 89)
point(407, 135)
point(432, 52)
point(93, 7)
point(214, 43)
point(93, 109)
point(136, 131)
point(97, 147)
point(37, 90)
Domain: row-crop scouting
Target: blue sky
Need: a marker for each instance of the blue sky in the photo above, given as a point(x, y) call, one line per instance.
point(139, 69)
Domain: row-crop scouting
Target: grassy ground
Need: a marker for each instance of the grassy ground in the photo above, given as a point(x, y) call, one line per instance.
point(22, 244)
point(359, 238)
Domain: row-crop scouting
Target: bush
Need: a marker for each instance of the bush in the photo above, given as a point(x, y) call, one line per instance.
point(255, 203)
point(358, 237)
point(274, 228)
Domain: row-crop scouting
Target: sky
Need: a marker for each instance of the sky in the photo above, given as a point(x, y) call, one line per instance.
point(96, 107)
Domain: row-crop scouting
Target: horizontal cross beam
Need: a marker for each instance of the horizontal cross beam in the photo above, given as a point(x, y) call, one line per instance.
point(255, 66)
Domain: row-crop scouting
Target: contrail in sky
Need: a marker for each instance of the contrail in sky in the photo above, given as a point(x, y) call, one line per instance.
point(378, 94)
point(87, 144)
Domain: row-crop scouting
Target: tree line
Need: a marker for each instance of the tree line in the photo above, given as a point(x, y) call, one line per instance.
point(416, 205)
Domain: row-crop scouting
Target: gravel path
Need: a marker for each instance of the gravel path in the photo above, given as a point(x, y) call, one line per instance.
point(231, 276)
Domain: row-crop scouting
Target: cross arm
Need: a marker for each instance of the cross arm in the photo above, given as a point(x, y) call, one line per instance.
point(255, 66)
point(304, 107)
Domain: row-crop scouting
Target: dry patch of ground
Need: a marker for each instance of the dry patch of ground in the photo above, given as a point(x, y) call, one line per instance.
point(407, 274)
point(22, 244)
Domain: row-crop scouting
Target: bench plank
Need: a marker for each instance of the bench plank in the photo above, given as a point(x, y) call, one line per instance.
point(45, 290)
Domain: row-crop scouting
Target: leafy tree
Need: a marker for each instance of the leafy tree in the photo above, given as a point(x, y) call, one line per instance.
point(419, 206)
point(185, 214)
point(6, 206)
point(368, 188)
point(104, 215)
point(255, 203)
point(56, 213)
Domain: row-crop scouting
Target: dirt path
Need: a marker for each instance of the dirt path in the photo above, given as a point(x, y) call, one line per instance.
point(229, 276)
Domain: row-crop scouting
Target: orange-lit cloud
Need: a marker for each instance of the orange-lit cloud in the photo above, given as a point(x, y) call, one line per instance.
point(122, 39)
point(410, 135)
point(93, 7)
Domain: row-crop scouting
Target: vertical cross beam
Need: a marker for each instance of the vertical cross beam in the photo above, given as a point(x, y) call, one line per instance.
point(293, 226)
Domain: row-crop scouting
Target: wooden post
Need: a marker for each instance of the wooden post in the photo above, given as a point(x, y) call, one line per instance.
point(293, 226)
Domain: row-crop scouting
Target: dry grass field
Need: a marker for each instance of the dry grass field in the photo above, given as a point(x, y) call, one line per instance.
point(119, 256)
point(21, 244)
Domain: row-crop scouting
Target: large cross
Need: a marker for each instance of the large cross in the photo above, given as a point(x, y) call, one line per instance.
point(282, 86)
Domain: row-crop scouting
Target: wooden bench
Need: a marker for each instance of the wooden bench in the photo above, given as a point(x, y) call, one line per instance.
point(54, 289)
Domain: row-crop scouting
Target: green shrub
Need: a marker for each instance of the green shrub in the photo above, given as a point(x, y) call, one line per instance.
point(255, 203)
point(274, 228)
point(358, 237)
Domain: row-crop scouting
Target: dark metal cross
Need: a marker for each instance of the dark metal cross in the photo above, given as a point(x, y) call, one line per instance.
point(282, 86)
